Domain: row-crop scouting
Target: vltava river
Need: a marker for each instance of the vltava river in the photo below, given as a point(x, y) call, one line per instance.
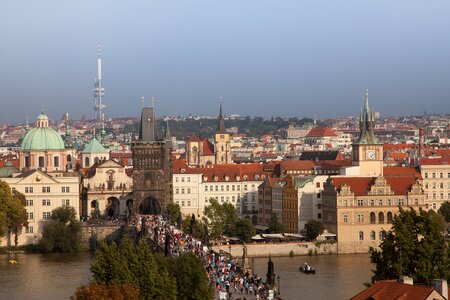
point(56, 276)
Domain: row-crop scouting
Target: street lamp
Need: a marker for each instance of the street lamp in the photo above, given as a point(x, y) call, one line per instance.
point(278, 279)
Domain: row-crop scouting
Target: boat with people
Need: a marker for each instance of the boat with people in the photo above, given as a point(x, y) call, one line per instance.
point(307, 269)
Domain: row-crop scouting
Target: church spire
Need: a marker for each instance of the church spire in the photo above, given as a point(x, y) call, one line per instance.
point(367, 124)
point(220, 120)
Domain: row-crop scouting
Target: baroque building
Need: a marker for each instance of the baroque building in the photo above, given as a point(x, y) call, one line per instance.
point(359, 208)
point(222, 143)
point(152, 168)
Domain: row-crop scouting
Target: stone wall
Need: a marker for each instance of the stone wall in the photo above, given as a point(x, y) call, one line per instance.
point(91, 234)
point(278, 249)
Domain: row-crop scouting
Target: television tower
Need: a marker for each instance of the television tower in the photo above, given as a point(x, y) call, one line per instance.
point(99, 90)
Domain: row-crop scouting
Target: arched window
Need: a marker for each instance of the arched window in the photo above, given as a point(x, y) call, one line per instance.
point(86, 162)
point(372, 218)
point(56, 161)
point(361, 236)
point(381, 235)
point(372, 235)
point(389, 217)
point(381, 217)
point(96, 160)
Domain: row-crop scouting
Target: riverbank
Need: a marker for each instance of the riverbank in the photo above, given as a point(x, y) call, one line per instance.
point(278, 249)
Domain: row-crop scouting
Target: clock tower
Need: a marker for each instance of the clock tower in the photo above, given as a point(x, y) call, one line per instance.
point(367, 150)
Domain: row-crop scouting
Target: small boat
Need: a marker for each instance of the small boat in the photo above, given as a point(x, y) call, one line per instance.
point(13, 261)
point(307, 269)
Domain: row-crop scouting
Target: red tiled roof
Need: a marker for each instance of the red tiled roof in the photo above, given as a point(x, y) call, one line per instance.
point(321, 131)
point(400, 185)
point(398, 155)
point(434, 161)
point(388, 289)
point(401, 171)
point(208, 148)
point(297, 165)
point(398, 146)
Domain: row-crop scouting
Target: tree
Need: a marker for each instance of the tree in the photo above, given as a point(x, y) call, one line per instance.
point(200, 228)
point(13, 215)
point(133, 264)
point(221, 218)
point(113, 291)
point(173, 212)
point(245, 230)
point(444, 210)
point(192, 281)
point(414, 246)
point(313, 228)
point(275, 226)
point(63, 232)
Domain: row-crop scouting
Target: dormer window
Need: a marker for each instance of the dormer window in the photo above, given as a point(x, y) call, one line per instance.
point(238, 178)
point(227, 178)
point(205, 178)
point(216, 178)
point(256, 177)
point(245, 177)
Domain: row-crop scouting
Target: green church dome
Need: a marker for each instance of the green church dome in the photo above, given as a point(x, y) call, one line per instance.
point(42, 137)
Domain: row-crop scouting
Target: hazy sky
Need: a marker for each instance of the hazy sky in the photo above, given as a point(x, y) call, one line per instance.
point(293, 58)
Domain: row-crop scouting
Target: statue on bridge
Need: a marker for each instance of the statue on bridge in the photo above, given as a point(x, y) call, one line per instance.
point(270, 273)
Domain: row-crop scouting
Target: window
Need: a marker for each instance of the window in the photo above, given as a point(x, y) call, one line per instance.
point(434, 175)
point(319, 216)
point(29, 202)
point(232, 187)
point(46, 215)
point(448, 175)
point(182, 190)
point(28, 189)
point(65, 202)
point(221, 187)
point(210, 188)
point(233, 198)
point(46, 189)
point(30, 216)
point(65, 189)
point(41, 161)
point(238, 187)
point(372, 235)
point(188, 179)
point(228, 188)
point(441, 185)
point(318, 195)
point(189, 190)
point(245, 187)
point(426, 175)
point(345, 217)
point(401, 201)
point(217, 188)
point(182, 179)
point(360, 218)
point(441, 196)
point(87, 162)
point(221, 199)
point(189, 203)
point(317, 184)
point(176, 179)
point(182, 203)
point(389, 217)
point(29, 229)
point(206, 188)
point(177, 191)
point(372, 218)
point(360, 202)
point(46, 202)
point(380, 202)
point(381, 235)
point(441, 175)
point(56, 161)
point(380, 217)
point(361, 236)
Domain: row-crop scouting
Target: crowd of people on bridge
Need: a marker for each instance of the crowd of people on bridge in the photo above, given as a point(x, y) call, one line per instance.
point(223, 272)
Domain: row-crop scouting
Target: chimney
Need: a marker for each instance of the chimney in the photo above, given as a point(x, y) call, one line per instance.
point(440, 285)
point(406, 280)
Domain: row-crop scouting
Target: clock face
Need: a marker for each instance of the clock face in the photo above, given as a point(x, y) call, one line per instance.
point(370, 154)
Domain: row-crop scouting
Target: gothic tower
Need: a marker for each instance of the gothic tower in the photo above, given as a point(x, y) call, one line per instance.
point(367, 150)
point(222, 144)
point(152, 168)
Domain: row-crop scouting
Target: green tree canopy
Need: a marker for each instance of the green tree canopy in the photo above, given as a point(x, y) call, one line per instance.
point(313, 228)
point(13, 215)
point(199, 231)
point(174, 213)
point(63, 232)
point(245, 230)
point(275, 225)
point(444, 210)
point(221, 218)
point(192, 281)
point(135, 265)
point(414, 246)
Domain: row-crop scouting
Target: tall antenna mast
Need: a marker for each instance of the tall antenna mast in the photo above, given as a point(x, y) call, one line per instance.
point(99, 90)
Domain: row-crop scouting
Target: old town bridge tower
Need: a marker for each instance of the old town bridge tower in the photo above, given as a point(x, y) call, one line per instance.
point(152, 168)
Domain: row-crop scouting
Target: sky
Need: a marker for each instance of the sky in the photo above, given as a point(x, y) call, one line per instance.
point(265, 58)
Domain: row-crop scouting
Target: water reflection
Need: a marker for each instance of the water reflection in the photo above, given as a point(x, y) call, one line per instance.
point(56, 276)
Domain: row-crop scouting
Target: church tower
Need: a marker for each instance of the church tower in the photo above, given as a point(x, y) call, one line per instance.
point(367, 150)
point(222, 144)
point(152, 168)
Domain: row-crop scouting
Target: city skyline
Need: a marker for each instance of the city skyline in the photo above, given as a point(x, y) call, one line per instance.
point(283, 59)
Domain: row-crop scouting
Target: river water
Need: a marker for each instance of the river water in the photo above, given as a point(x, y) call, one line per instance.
point(56, 276)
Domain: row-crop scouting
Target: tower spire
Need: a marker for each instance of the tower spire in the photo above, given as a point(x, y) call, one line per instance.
point(367, 124)
point(221, 121)
point(99, 90)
